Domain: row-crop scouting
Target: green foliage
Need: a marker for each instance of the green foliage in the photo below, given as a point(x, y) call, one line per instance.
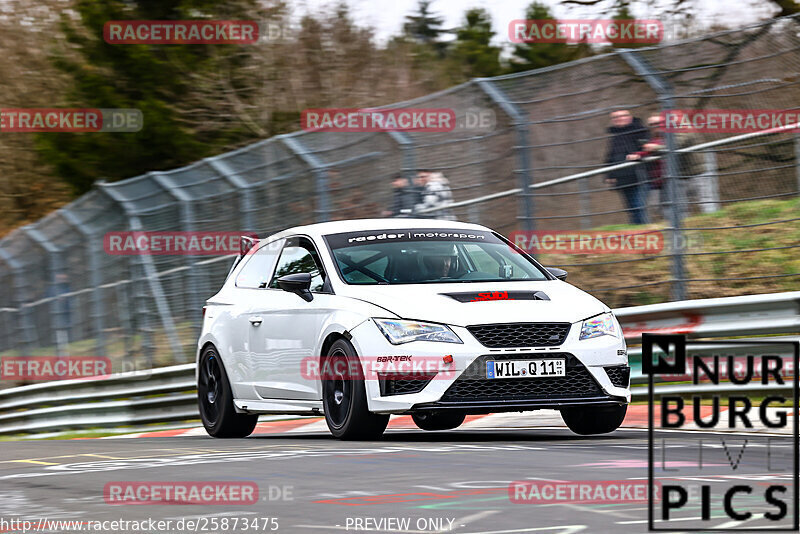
point(623, 12)
point(528, 56)
point(155, 79)
point(424, 27)
point(472, 50)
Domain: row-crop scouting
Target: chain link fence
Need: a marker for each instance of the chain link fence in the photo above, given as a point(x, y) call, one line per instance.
point(540, 167)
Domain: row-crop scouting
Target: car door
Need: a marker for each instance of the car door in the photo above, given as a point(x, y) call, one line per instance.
point(249, 292)
point(286, 328)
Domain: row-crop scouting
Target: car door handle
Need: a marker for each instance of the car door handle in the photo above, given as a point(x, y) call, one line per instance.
point(256, 321)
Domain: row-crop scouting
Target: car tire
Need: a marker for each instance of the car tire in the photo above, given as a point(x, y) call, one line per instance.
point(344, 397)
point(587, 420)
point(215, 400)
point(439, 421)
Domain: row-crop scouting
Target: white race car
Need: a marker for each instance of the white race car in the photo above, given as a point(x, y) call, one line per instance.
point(361, 319)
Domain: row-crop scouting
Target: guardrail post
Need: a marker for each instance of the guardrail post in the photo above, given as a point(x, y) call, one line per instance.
point(58, 309)
point(520, 123)
point(323, 208)
point(149, 274)
point(664, 94)
point(94, 249)
point(409, 169)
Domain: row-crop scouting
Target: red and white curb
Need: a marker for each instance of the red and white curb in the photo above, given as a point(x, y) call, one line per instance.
point(637, 417)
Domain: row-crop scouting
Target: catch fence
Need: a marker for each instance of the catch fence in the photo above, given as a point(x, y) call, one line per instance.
point(541, 166)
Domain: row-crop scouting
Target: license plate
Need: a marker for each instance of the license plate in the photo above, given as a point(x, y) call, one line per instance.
point(526, 368)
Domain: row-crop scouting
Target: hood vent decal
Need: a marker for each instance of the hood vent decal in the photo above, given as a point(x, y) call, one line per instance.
point(474, 296)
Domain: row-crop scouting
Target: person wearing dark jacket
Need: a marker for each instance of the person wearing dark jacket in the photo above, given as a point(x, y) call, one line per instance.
point(655, 169)
point(405, 196)
point(628, 134)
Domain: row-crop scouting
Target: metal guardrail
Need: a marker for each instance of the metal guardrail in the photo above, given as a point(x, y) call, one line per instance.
point(168, 393)
point(137, 397)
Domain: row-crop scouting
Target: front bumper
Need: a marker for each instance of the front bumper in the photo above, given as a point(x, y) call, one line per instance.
point(483, 407)
point(587, 381)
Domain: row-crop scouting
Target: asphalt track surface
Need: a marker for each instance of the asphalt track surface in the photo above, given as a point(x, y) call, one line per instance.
point(455, 481)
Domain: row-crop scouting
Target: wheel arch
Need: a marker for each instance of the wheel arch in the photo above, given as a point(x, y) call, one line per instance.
point(329, 340)
point(203, 347)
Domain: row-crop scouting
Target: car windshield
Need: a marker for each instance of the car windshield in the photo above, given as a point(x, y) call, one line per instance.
point(420, 256)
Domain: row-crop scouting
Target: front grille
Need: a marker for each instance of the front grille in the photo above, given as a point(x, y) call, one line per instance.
point(504, 335)
point(473, 385)
point(619, 375)
point(403, 384)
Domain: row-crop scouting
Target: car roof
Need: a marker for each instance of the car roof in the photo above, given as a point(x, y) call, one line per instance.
point(361, 225)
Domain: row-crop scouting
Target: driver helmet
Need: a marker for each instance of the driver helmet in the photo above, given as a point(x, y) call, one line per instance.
point(439, 259)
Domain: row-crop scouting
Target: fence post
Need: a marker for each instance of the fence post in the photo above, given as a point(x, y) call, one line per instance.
point(93, 251)
point(194, 287)
point(241, 185)
point(520, 123)
point(320, 170)
point(58, 321)
point(665, 95)
point(585, 204)
point(711, 175)
point(149, 275)
point(797, 158)
point(409, 169)
point(24, 322)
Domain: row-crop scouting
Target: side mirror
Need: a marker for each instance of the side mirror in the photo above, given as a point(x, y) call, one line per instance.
point(561, 274)
point(299, 283)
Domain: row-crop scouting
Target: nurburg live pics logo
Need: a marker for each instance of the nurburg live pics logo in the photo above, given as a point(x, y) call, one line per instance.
point(740, 480)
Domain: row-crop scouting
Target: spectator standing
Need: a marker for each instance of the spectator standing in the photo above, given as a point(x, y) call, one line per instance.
point(628, 135)
point(405, 196)
point(657, 194)
point(436, 193)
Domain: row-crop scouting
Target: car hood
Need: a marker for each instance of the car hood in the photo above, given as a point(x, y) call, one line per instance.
point(426, 302)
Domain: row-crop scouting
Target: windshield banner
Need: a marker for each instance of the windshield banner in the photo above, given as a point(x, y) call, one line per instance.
point(351, 239)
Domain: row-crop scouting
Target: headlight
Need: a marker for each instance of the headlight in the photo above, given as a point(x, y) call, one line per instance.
point(599, 325)
point(399, 331)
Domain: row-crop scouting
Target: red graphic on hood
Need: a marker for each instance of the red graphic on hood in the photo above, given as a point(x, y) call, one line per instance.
point(493, 295)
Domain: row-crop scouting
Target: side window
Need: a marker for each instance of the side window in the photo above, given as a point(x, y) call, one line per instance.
point(299, 256)
point(256, 272)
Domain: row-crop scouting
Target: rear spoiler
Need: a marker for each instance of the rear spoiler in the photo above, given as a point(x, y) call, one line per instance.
point(246, 244)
